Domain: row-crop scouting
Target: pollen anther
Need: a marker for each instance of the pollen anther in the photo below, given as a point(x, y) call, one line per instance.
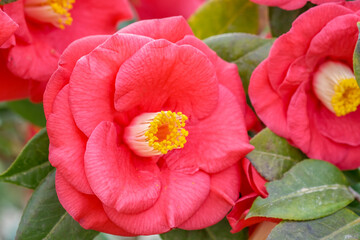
point(55, 12)
point(336, 87)
point(152, 134)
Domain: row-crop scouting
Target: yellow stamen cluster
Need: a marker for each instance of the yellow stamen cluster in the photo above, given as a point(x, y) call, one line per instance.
point(166, 131)
point(55, 12)
point(346, 98)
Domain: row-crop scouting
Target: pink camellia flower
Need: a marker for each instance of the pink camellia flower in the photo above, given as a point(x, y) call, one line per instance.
point(148, 9)
point(45, 28)
point(306, 92)
point(292, 4)
point(252, 186)
point(146, 130)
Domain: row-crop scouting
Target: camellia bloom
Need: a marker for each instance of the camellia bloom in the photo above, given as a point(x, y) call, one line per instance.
point(146, 130)
point(44, 29)
point(292, 4)
point(306, 91)
point(148, 9)
point(252, 186)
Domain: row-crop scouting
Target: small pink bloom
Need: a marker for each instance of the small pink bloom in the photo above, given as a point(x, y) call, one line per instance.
point(306, 92)
point(148, 9)
point(292, 4)
point(146, 130)
point(252, 186)
point(45, 28)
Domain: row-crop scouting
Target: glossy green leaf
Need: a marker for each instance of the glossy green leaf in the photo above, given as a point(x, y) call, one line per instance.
point(281, 20)
point(224, 16)
point(32, 164)
point(220, 231)
point(30, 111)
point(309, 190)
point(273, 155)
point(356, 58)
point(3, 2)
point(247, 51)
point(44, 218)
point(341, 225)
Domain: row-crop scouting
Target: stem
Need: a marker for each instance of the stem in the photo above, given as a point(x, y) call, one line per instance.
point(355, 194)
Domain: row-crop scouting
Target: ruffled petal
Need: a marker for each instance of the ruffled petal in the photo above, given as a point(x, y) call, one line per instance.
point(148, 9)
point(7, 26)
point(103, 18)
point(78, 205)
point(162, 76)
point(119, 179)
point(67, 62)
point(94, 103)
point(288, 47)
point(237, 216)
point(11, 87)
point(67, 143)
point(181, 196)
point(266, 107)
point(224, 191)
point(256, 181)
point(336, 40)
point(159, 28)
point(215, 143)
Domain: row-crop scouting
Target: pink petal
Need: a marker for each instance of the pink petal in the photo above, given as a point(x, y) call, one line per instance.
point(284, 4)
point(345, 129)
point(288, 47)
point(162, 75)
point(85, 209)
point(227, 73)
point(16, 11)
point(216, 142)
point(119, 179)
point(7, 26)
point(67, 143)
point(259, 87)
point(237, 216)
point(67, 62)
point(148, 9)
point(101, 16)
point(181, 196)
point(93, 103)
point(25, 61)
point(336, 40)
point(11, 87)
point(224, 191)
point(159, 28)
point(257, 182)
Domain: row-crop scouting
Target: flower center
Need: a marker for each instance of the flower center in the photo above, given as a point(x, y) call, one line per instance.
point(152, 134)
point(335, 85)
point(55, 12)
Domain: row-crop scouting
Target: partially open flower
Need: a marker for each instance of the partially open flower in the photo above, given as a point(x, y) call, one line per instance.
point(306, 91)
point(45, 29)
point(146, 130)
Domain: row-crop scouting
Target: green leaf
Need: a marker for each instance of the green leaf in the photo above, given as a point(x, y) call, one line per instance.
point(309, 190)
point(32, 164)
point(356, 58)
point(30, 111)
point(44, 218)
point(3, 2)
point(281, 20)
point(341, 225)
point(220, 231)
point(273, 155)
point(223, 16)
point(247, 51)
